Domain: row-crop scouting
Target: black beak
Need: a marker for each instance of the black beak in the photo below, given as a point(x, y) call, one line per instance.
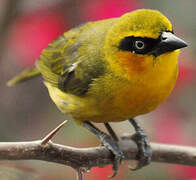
point(168, 42)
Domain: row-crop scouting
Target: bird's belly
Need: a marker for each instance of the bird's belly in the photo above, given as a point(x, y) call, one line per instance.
point(131, 101)
point(128, 105)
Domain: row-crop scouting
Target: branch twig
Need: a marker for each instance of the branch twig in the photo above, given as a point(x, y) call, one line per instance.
point(47, 138)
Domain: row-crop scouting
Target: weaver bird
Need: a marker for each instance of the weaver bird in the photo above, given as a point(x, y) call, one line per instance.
point(110, 71)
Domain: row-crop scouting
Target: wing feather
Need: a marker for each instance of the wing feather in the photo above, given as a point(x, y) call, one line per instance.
point(73, 60)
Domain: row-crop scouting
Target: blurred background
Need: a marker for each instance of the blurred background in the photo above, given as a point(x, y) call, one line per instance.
point(27, 113)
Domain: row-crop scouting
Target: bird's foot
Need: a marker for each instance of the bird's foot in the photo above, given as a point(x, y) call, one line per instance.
point(109, 143)
point(112, 145)
point(144, 155)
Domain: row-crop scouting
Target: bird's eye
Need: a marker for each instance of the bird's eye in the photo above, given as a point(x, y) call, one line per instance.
point(139, 45)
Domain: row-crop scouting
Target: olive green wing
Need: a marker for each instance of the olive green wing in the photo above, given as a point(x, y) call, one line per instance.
point(73, 60)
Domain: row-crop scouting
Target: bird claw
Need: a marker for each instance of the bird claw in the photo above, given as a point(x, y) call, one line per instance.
point(116, 164)
point(112, 145)
point(144, 156)
point(109, 143)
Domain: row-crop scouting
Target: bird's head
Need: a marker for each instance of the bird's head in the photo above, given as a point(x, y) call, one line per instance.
point(142, 34)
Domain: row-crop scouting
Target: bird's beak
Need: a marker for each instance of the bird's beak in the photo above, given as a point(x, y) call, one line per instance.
point(168, 42)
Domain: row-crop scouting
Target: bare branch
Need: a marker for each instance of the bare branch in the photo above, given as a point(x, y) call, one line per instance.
point(85, 158)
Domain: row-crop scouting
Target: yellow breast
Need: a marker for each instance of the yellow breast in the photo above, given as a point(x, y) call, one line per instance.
point(138, 88)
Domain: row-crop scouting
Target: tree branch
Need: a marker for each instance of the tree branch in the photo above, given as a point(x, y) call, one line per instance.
point(86, 158)
point(83, 159)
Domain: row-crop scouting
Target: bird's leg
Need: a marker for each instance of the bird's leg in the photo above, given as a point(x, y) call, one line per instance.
point(111, 131)
point(144, 150)
point(109, 143)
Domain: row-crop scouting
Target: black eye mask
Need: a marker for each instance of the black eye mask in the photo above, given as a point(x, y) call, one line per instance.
point(138, 45)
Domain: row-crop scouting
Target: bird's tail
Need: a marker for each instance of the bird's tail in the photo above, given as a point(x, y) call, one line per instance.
point(23, 76)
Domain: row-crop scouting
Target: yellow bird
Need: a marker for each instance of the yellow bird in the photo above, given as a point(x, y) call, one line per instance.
point(110, 71)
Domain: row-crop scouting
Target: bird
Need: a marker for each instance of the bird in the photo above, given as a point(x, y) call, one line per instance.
point(111, 70)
